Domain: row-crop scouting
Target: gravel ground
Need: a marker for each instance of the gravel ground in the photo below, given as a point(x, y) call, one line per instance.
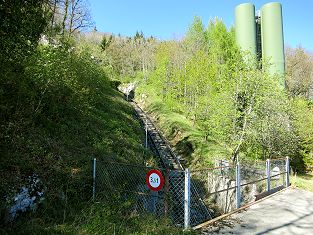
point(289, 212)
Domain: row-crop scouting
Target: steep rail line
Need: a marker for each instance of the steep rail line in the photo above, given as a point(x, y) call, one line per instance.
point(157, 141)
point(168, 159)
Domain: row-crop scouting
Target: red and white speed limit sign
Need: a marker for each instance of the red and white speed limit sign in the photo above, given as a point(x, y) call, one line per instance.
point(154, 180)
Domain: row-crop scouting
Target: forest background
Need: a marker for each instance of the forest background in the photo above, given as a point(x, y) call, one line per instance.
point(59, 107)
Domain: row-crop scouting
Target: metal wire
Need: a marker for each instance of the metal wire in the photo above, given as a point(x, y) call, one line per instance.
point(128, 183)
point(216, 188)
point(278, 172)
point(212, 191)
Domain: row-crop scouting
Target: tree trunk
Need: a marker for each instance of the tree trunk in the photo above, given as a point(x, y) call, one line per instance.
point(66, 4)
point(55, 2)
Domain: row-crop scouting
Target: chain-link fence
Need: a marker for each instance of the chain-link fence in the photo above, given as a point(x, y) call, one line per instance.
point(277, 171)
point(217, 187)
point(128, 183)
point(190, 197)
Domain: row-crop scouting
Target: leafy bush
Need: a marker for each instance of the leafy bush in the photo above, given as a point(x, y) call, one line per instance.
point(57, 114)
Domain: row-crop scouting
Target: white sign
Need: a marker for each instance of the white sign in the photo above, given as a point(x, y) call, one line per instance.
point(154, 180)
point(275, 173)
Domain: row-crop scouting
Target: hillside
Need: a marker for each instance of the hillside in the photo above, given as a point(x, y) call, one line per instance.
point(57, 113)
point(214, 104)
point(60, 108)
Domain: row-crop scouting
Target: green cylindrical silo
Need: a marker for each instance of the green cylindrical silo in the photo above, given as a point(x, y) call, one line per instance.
point(273, 38)
point(245, 27)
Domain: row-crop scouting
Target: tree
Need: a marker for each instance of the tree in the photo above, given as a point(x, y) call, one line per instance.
point(129, 56)
point(21, 24)
point(235, 104)
point(70, 16)
point(105, 42)
point(299, 69)
point(302, 121)
point(79, 16)
point(196, 36)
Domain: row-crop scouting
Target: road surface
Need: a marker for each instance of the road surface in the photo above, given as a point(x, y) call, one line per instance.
point(290, 212)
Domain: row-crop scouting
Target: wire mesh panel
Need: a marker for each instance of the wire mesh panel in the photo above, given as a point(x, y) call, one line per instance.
point(278, 172)
point(253, 180)
point(189, 198)
point(214, 188)
point(128, 183)
point(176, 196)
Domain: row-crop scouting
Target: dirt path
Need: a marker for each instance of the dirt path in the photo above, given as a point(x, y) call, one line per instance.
point(289, 212)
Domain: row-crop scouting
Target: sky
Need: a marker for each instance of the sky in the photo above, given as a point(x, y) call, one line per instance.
point(170, 19)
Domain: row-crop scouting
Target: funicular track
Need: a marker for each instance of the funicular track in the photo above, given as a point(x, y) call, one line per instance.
point(169, 160)
point(157, 142)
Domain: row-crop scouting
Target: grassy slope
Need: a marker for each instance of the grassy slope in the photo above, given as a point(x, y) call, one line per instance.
point(80, 116)
point(303, 181)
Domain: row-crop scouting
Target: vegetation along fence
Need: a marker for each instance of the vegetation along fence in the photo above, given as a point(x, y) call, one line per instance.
point(190, 197)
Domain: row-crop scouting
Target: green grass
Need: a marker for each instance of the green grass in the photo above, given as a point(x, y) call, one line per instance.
point(100, 218)
point(304, 182)
point(60, 113)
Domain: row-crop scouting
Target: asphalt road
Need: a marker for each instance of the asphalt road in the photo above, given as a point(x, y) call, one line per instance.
point(289, 212)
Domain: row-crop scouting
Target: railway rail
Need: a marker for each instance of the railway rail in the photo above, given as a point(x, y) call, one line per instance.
point(157, 142)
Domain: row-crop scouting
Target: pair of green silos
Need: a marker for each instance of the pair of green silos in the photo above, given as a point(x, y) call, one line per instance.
point(268, 25)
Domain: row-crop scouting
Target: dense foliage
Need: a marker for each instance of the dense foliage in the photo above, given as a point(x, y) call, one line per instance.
point(234, 104)
point(214, 102)
point(59, 108)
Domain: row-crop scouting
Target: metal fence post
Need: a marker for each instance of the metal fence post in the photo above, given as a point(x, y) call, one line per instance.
point(268, 175)
point(187, 200)
point(94, 179)
point(146, 129)
point(287, 171)
point(238, 194)
point(166, 190)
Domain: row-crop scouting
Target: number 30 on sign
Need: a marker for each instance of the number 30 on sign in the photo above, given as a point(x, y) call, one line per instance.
point(154, 180)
